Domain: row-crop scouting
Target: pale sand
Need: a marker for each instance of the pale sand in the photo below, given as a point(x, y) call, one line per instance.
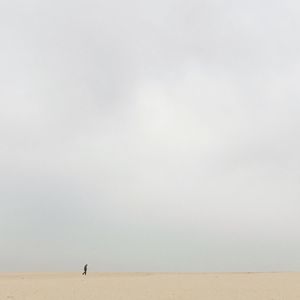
point(156, 286)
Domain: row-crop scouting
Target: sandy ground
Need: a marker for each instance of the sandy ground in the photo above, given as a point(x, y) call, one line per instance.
point(156, 286)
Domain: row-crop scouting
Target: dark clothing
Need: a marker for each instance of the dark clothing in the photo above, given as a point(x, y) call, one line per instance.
point(85, 270)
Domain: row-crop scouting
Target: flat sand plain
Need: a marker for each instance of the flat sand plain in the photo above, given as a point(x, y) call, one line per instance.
point(156, 286)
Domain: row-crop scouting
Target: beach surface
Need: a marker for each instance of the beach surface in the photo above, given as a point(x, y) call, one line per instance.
point(155, 286)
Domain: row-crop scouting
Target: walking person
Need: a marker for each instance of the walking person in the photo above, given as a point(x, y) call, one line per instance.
point(85, 269)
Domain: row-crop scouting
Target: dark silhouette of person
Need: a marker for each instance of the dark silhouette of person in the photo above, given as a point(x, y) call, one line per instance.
point(85, 269)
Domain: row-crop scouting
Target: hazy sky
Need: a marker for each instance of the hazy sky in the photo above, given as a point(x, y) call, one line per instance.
point(149, 135)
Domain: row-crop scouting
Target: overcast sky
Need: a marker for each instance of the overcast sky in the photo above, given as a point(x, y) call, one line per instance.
point(157, 135)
